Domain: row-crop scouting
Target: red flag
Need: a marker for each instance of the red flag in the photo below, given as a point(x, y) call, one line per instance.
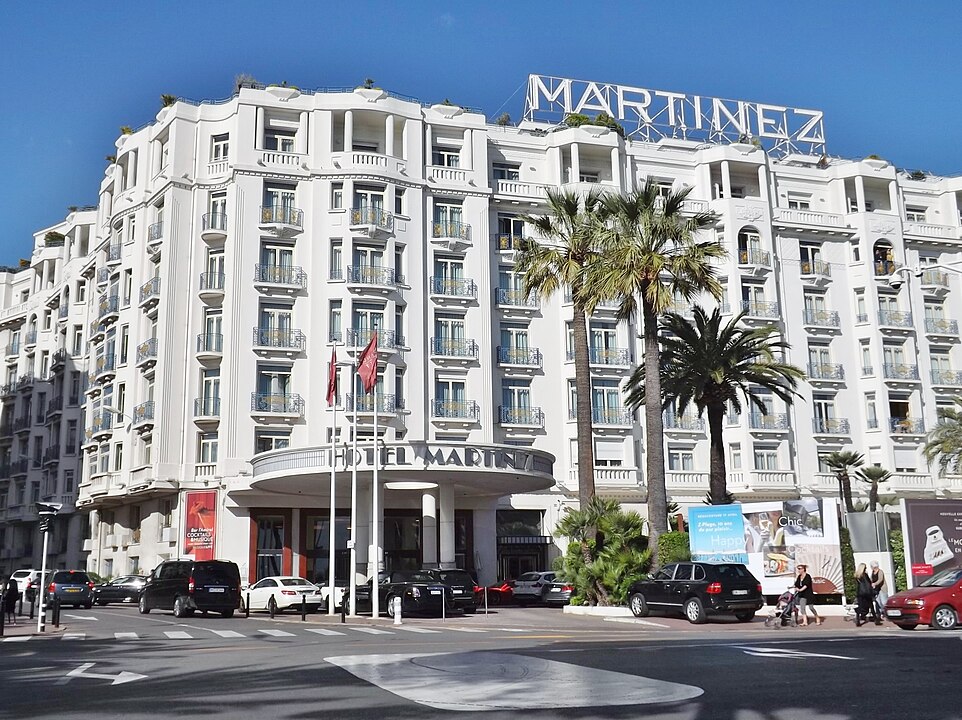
point(332, 378)
point(367, 364)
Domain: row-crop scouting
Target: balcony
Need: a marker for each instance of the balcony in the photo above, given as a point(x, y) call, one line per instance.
point(448, 349)
point(900, 371)
point(58, 360)
point(51, 455)
point(947, 378)
point(929, 230)
point(105, 368)
point(606, 416)
point(214, 227)
point(267, 341)
point(521, 417)
point(6, 432)
point(114, 254)
point(775, 422)
point(692, 484)
point(287, 279)
point(817, 272)
point(370, 221)
point(143, 416)
point(19, 467)
point(605, 357)
point(820, 318)
point(372, 277)
point(25, 382)
point(884, 268)
point(906, 426)
point(811, 220)
point(271, 406)
point(210, 346)
point(387, 341)
point(211, 289)
point(939, 327)
point(519, 357)
point(206, 410)
point(102, 426)
point(763, 482)
point(517, 189)
point(453, 412)
point(676, 424)
point(934, 282)
point(281, 221)
point(516, 301)
point(22, 424)
point(97, 331)
point(13, 350)
point(150, 293)
point(108, 309)
point(54, 407)
point(446, 175)
point(63, 312)
point(459, 290)
point(830, 426)
point(760, 310)
point(364, 404)
point(29, 340)
point(155, 237)
point(8, 390)
point(826, 372)
point(895, 320)
point(455, 235)
point(756, 261)
point(147, 354)
point(103, 275)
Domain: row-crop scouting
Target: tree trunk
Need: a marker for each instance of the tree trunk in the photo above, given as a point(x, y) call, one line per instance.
point(586, 450)
point(654, 431)
point(873, 497)
point(846, 482)
point(717, 472)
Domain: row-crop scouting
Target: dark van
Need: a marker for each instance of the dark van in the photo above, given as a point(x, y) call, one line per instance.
point(185, 586)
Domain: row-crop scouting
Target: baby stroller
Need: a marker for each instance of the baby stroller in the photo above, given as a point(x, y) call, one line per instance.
point(785, 611)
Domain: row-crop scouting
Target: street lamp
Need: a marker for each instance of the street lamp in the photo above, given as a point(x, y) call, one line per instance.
point(46, 511)
point(895, 282)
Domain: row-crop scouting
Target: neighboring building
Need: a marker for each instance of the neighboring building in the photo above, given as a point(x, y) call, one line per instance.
point(234, 242)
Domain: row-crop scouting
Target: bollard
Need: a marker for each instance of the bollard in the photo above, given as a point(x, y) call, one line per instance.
point(44, 604)
point(3, 615)
point(247, 606)
point(486, 611)
point(271, 606)
point(444, 607)
point(20, 599)
point(303, 608)
point(396, 601)
point(343, 610)
point(31, 606)
point(55, 612)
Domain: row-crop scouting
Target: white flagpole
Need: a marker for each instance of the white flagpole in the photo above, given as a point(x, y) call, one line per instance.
point(352, 581)
point(375, 540)
point(333, 461)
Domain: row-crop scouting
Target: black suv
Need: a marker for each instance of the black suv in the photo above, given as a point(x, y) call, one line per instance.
point(187, 585)
point(462, 587)
point(698, 589)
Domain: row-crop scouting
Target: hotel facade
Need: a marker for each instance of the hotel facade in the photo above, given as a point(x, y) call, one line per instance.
point(167, 351)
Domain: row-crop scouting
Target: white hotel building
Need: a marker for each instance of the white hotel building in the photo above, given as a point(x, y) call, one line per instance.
point(178, 338)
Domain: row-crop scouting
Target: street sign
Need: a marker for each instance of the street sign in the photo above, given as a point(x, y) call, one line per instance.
point(122, 677)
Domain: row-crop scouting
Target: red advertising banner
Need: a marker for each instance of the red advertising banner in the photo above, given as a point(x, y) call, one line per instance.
point(933, 537)
point(922, 569)
point(200, 524)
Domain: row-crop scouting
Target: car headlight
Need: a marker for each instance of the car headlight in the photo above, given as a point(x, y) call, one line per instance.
point(915, 603)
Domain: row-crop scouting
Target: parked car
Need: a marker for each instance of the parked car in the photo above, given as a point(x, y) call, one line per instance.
point(124, 589)
point(531, 587)
point(937, 602)
point(186, 586)
point(27, 583)
point(697, 590)
point(71, 587)
point(499, 594)
point(420, 593)
point(558, 593)
point(284, 592)
point(462, 587)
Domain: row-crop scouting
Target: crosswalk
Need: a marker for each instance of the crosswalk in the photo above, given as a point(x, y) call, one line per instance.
point(343, 631)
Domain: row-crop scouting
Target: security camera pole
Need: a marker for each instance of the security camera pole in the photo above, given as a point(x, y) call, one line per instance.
point(46, 511)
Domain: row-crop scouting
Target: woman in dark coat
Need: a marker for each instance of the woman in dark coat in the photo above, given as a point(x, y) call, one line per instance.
point(865, 597)
point(11, 593)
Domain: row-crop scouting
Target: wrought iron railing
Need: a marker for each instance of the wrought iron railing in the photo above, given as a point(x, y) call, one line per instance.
point(519, 356)
point(207, 407)
point(446, 347)
point(373, 275)
point(515, 298)
point(454, 409)
point(775, 421)
point(372, 216)
point(830, 426)
point(508, 415)
point(448, 287)
point(451, 229)
point(280, 275)
point(286, 404)
point(821, 318)
point(274, 338)
point(826, 371)
point(215, 221)
point(282, 215)
point(210, 342)
point(900, 371)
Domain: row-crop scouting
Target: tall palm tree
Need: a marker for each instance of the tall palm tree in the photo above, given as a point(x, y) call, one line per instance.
point(581, 526)
point(873, 476)
point(650, 256)
point(710, 364)
point(841, 461)
point(569, 232)
point(944, 441)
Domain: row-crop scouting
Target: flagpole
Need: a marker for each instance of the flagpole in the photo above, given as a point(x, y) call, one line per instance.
point(333, 461)
point(375, 547)
point(352, 581)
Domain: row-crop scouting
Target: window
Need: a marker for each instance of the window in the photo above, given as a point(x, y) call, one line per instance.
point(866, 349)
point(446, 157)
point(504, 171)
point(121, 398)
point(47, 315)
point(166, 513)
point(279, 140)
point(735, 456)
point(335, 331)
point(915, 213)
point(77, 345)
point(118, 456)
point(871, 413)
point(81, 291)
point(265, 441)
point(219, 147)
point(798, 201)
point(131, 229)
point(861, 311)
point(664, 189)
point(71, 446)
point(588, 177)
point(766, 457)
point(399, 201)
point(207, 452)
point(681, 459)
point(336, 259)
point(124, 343)
point(337, 196)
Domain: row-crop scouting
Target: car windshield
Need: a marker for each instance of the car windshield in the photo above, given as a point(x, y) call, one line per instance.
point(21, 574)
point(70, 578)
point(530, 577)
point(456, 577)
point(947, 578)
point(411, 577)
point(732, 571)
point(293, 582)
point(206, 573)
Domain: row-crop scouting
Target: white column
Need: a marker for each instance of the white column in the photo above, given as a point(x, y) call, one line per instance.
point(575, 163)
point(301, 133)
point(726, 177)
point(429, 528)
point(428, 144)
point(154, 158)
point(616, 167)
point(486, 526)
point(132, 168)
point(389, 136)
point(404, 138)
point(894, 197)
point(348, 131)
point(446, 519)
point(859, 193)
point(762, 183)
point(259, 129)
point(467, 152)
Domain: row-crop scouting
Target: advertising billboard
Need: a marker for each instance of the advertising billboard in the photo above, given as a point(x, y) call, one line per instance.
point(200, 524)
point(772, 538)
point(933, 537)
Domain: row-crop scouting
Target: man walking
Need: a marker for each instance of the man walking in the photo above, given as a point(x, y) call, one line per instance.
point(878, 587)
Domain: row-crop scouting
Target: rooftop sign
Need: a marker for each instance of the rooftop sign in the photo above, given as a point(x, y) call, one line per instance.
point(650, 115)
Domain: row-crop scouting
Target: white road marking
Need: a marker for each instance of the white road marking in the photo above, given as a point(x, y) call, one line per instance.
point(513, 630)
point(372, 631)
point(125, 636)
point(462, 629)
point(17, 638)
point(81, 617)
point(119, 679)
point(413, 629)
point(501, 681)
point(178, 635)
point(227, 633)
point(74, 636)
point(635, 621)
point(786, 653)
point(277, 633)
point(323, 631)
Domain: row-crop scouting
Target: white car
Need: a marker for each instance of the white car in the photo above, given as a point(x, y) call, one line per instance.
point(532, 586)
point(285, 593)
point(27, 582)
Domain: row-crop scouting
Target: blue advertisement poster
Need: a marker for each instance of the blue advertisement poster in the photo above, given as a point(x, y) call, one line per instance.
point(717, 534)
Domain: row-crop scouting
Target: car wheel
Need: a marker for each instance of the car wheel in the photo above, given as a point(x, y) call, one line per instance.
point(944, 618)
point(694, 611)
point(908, 626)
point(180, 606)
point(88, 605)
point(227, 614)
point(142, 605)
point(638, 605)
point(494, 599)
point(470, 609)
point(272, 606)
point(390, 605)
point(745, 616)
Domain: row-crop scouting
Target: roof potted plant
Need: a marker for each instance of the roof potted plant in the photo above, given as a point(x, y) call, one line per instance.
point(284, 91)
point(369, 91)
point(447, 109)
point(875, 162)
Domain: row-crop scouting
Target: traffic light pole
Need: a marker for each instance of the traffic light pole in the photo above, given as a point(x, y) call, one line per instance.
point(42, 616)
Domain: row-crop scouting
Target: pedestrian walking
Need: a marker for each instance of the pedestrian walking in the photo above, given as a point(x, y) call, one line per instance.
point(865, 596)
point(806, 593)
point(11, 593)
point(877, 576)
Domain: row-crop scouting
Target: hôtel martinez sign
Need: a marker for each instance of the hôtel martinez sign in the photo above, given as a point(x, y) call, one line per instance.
point(651, 115)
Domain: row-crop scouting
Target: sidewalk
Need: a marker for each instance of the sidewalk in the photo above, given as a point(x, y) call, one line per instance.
point(26, 627)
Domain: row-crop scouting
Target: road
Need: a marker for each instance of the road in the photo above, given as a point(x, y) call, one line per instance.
point(534, 663)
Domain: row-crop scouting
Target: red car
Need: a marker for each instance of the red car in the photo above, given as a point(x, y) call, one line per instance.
point(936, 602)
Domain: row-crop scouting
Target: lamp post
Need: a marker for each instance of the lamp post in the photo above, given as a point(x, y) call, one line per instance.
point(46, 511)
point(895, 282)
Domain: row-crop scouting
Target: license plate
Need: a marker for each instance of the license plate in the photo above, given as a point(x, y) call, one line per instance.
point(555, 589)
point(216, 590)
point(458, 592)
point(739, 592)
point(71, 589)
point(894, 613)
point(435, 592)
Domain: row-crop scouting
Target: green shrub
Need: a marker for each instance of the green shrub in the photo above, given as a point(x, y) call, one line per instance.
point(673, 547)
point(848, 564)
point(897, 546)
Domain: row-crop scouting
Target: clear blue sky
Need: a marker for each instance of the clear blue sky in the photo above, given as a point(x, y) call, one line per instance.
point(885, 73)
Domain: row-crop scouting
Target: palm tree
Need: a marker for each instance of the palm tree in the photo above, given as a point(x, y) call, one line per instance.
point(873, 475)
point(570, 233)
point(841, 461)
point(712, 365)
point(650, 255)
point(944, 441)
point(581, 526)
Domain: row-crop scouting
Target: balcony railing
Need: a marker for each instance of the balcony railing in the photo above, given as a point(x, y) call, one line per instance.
point(505, 242)
point(947, 377)
point(460, 288)
point(455, 410)
point(106, 364)
point(114, 253)
point(907, 426)
point(155, 232)
point(150, 289)
point(281, 215)
point(775, 421)
point(210, 342)
point(508, 415)
point(885, 267)
point(359, 338)
point(446, 347)
point(147, 350)
point(274, 338)
point(519, 356)
point(63, 311)
point(373, 275)
point(900, 371)
point(821, 318)
point(830, 426)
point(815, 267)
point(143, 412)
point(212, 281)
point(365, 403)
point(826, 371)
point(215, 221)
point(601, 415)
point(280, 275)
point(292, 404)
point(450, 229)
point(674, 421)
point(604, 356)
point(30, 337)
point(207, 407)
point(895, 318)
point(25, 381)
point(13, 349)
point(516, 298)
point(940, 326)
point(375, 217)
point(762, 258)
point(108, 305)
point(761, 309)
point(103, 275)
point(935, 278)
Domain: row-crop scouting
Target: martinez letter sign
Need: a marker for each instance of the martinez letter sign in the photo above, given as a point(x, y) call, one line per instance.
point(650, 115)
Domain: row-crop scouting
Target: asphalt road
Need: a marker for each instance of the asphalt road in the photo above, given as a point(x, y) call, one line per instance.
point(533, 663)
